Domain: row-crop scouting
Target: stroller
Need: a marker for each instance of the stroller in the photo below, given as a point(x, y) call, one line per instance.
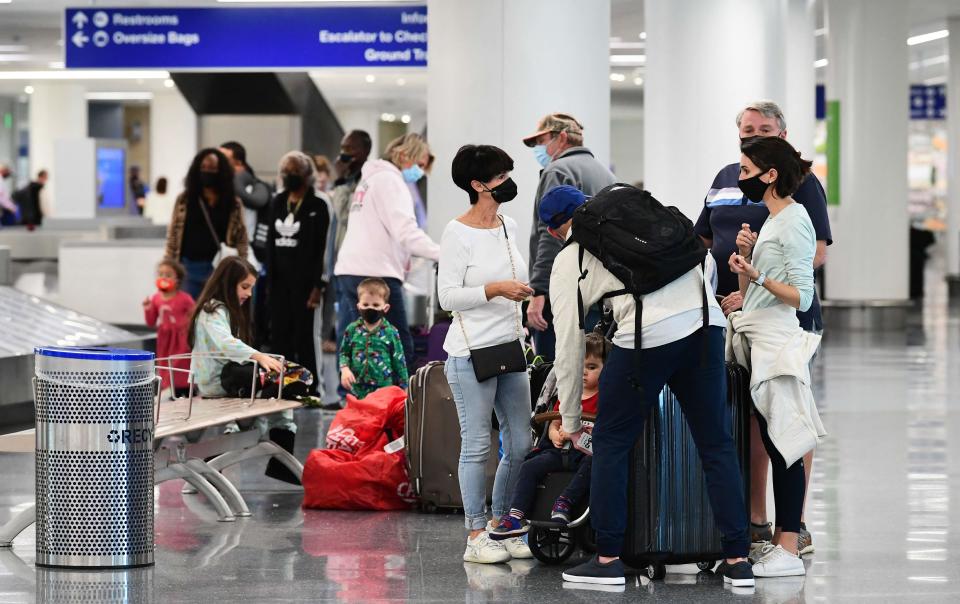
point(553, 542)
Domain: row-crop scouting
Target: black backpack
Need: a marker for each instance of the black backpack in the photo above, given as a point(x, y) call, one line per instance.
point(645, 244)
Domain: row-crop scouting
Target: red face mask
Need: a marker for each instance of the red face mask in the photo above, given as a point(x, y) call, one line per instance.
point(165, 285)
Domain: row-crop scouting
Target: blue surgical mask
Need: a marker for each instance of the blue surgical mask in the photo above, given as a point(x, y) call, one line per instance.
point(413, 173)
point(540, 153)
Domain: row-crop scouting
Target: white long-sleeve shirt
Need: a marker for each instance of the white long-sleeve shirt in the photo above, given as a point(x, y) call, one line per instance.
point(382, 232)
point(671, 313)
point(470, 258)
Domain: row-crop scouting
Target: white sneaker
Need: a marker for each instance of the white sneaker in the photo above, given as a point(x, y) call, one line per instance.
point(484, 550)
point(759, 550)
point(517, 548)
point(778, 562)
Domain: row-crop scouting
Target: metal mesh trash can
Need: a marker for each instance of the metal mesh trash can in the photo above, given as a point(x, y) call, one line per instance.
point(94, 467)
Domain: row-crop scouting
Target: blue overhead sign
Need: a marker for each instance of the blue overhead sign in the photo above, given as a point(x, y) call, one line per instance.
point(243, 38)
point(928, 102)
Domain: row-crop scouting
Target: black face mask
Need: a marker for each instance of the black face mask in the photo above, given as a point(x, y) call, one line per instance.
point(209, 179)
point(371, 315)
point(345, 158)
point(504, 192)
point(754, 188)
point(292, 182)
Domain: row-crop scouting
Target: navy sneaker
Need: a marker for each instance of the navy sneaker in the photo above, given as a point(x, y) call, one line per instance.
point(592, 571)
point(562, 510)
point(509, 527)
point(737, 575)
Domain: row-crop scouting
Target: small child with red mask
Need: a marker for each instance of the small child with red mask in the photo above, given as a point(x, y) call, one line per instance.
point(169, 311)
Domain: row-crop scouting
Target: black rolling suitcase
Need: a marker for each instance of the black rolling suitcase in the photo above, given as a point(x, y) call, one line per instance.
point(669, 519)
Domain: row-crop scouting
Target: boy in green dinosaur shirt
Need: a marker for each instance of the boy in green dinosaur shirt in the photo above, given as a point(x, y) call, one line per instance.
point(371, 354)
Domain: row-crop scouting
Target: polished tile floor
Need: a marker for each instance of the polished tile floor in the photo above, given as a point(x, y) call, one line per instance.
point(880, 512)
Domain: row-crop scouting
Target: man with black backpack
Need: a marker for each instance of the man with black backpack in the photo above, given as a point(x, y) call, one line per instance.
point(646, 262)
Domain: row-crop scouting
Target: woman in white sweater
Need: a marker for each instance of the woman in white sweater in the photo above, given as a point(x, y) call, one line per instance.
point(382, 233)
point(483, 280)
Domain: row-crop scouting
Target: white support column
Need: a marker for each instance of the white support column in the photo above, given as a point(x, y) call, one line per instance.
point(58, 111)
point(496, 68)
point(867, 75)
point(799, 101)
point(953, 151)
point(173, 138)
point(705, 60)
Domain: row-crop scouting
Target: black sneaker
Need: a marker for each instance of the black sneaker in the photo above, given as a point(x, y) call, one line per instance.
point(592, 571)
point(738, 575)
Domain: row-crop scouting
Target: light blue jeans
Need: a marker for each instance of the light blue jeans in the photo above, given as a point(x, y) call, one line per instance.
point(509, 396)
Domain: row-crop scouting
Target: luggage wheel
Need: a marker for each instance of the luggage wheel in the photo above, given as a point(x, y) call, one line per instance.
point(550, 545)
point(657, 571)
point(706, 565)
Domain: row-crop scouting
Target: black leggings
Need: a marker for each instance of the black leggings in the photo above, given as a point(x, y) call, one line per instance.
point(789, 484)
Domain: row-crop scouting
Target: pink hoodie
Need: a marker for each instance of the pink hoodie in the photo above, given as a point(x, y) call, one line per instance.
point(382, 232)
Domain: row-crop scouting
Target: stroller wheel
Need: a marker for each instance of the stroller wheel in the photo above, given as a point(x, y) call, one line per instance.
point(550, 545)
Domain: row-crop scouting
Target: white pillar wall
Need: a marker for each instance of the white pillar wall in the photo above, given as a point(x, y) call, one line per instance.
point(695, 86)
point(497, 67)
point(868, 59)
point(800, 83)
point(953, 149)
point(58, 111)
point(173, 138)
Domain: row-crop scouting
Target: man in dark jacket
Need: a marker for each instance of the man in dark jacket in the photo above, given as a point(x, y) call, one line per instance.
point(253, 193)
point(28, 199)
point(558, 147)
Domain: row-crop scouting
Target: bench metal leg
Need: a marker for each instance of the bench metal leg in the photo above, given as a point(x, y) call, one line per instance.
point(17, 524)
point(219, 481)
point(179, 470)
point(265, 448)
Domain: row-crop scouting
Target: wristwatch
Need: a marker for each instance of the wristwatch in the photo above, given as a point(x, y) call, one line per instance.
point(760, 279)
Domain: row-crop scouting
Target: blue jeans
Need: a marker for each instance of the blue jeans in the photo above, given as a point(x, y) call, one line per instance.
point(347, 312)
point(198, 271)
point(509, 396)
point(701, 388)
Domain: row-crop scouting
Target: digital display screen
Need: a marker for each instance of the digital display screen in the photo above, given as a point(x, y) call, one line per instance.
point(111, 162)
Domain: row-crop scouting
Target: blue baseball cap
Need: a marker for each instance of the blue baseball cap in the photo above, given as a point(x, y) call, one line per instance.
point(557, 206)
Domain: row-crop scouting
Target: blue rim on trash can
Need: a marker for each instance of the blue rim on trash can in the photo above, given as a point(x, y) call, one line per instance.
point(94, 353)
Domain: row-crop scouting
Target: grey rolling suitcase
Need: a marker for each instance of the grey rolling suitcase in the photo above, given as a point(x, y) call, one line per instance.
point(669, 519)
point(433, 441)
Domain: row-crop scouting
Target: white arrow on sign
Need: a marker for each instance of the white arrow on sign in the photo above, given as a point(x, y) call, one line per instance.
point(79, 39)
point(80, 20)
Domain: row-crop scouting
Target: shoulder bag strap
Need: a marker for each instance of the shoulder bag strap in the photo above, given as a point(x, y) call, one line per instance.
point(206, 216)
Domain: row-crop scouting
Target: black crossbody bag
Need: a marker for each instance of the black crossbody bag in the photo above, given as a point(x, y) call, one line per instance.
point(491, 361)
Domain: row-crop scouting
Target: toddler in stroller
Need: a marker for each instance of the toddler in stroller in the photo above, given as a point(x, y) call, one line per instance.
point(552, 490)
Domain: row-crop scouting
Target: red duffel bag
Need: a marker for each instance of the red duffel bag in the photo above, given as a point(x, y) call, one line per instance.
point(338, 480)
point(368, 424)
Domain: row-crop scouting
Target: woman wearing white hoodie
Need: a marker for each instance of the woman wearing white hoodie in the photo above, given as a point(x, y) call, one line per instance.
point(382, 233)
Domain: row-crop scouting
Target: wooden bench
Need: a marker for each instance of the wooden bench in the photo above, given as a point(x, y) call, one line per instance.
point(176, 457)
